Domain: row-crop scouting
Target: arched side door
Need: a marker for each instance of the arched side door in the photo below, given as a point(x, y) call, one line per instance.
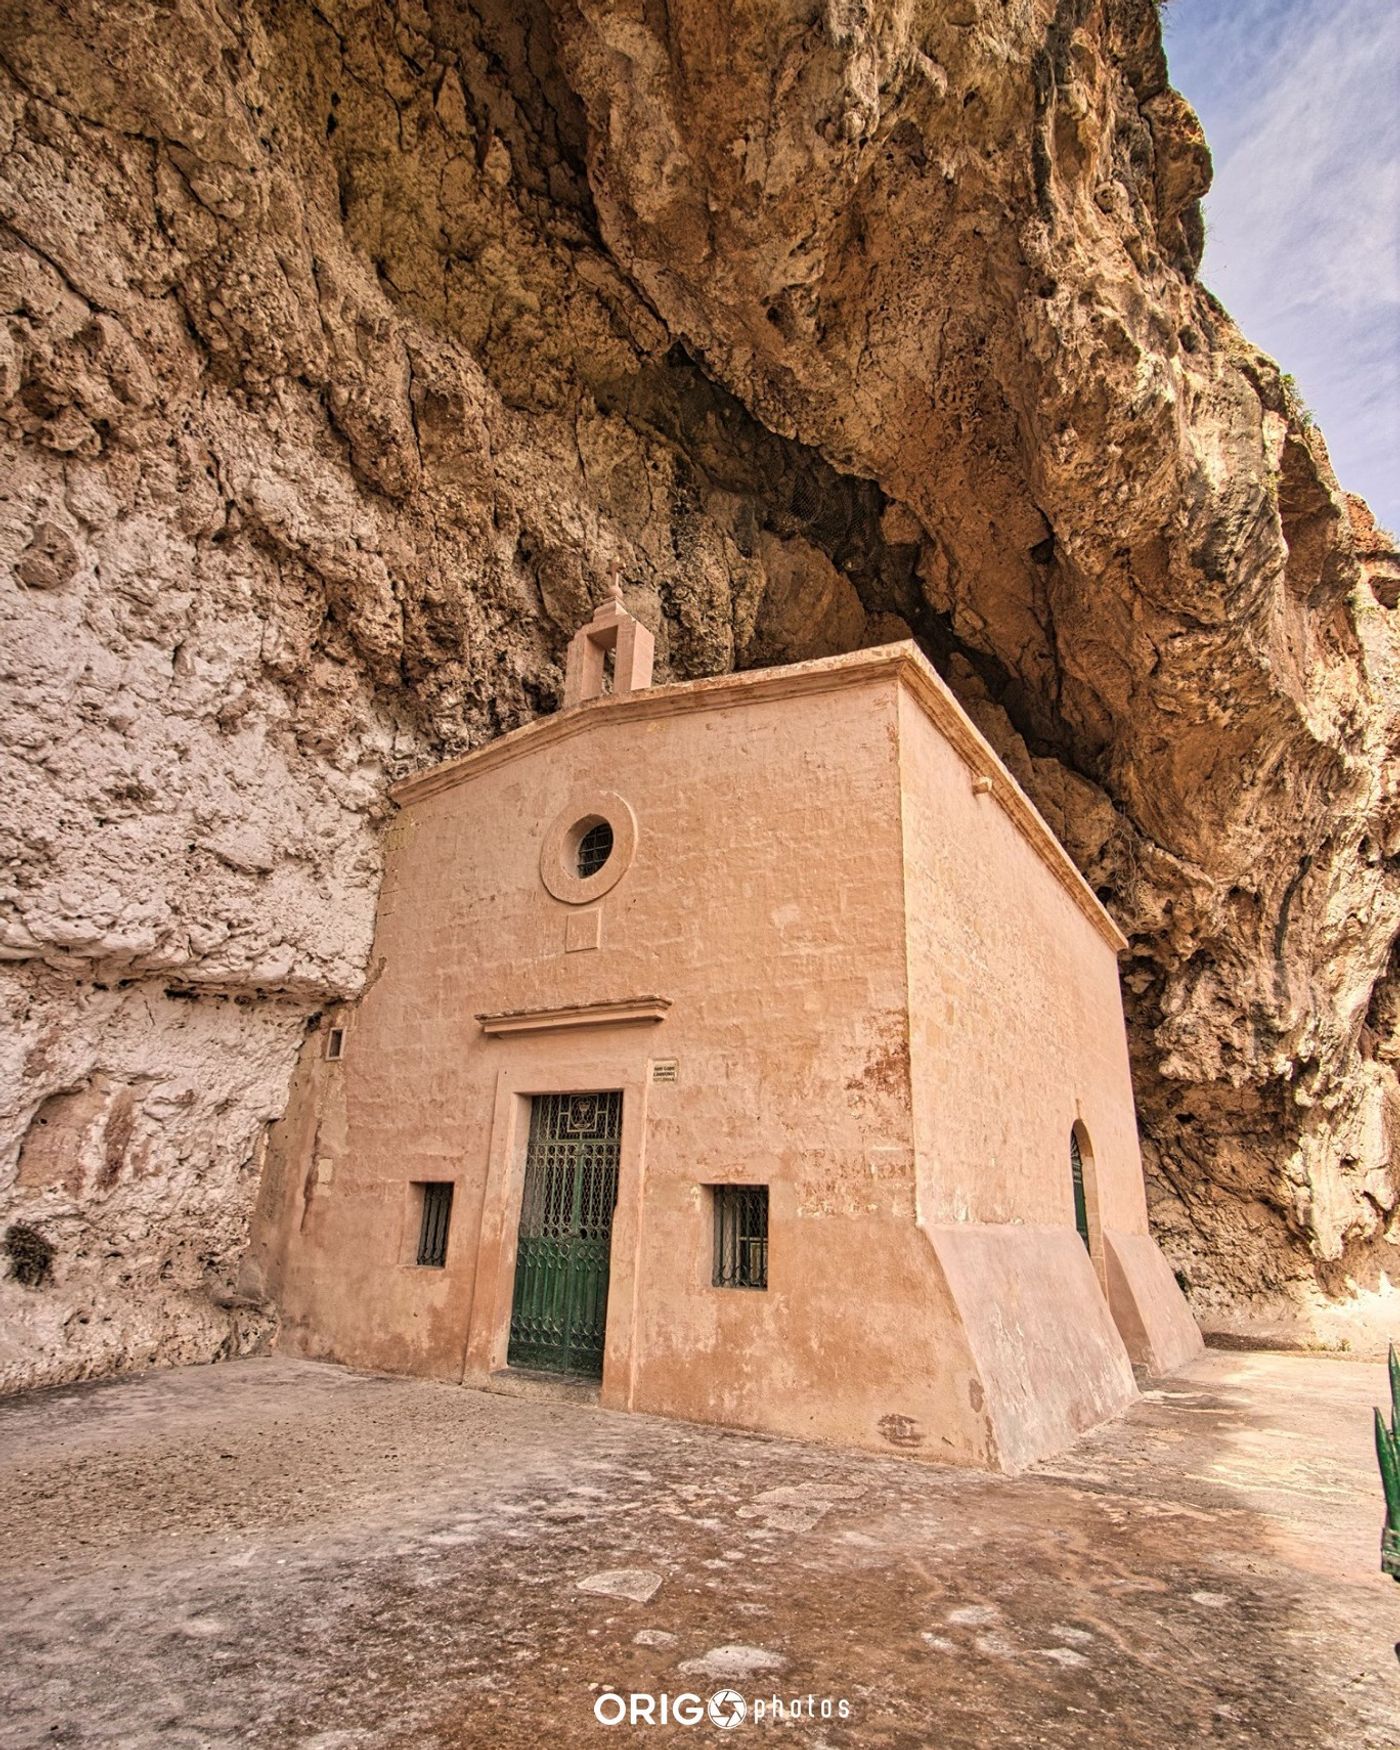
point(1084, 1183)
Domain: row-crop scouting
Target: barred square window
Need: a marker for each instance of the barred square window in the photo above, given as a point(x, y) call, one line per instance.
point(437, 1215)
point(741, 1236)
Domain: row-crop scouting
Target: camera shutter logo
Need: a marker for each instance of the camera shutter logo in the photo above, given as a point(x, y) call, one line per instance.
point(727, 1709)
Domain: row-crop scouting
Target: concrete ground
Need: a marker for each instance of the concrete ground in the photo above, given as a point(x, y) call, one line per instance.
point(274, 1553)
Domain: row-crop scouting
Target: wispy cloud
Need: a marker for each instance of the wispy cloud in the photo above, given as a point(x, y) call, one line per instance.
point(1301, 103)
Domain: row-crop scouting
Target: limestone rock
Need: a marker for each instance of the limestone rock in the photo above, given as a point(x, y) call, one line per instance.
point(638, 1585)
point(733, 1662)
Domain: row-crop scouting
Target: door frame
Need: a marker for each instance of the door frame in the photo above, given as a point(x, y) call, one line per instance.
point(493, 1290)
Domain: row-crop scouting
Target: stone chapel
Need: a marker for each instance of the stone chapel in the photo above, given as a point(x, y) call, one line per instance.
point(746, 1050)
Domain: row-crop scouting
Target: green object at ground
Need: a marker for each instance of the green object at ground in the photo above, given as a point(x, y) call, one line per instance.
point(1388, 1456)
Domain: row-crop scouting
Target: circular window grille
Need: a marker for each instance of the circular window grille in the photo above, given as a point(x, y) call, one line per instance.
point(594, 849)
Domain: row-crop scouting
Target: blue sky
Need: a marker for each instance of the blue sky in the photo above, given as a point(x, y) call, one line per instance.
point(1301, 104)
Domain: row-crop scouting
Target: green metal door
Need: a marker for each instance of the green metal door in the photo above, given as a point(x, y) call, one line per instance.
point(561, 1262)
point(1076, 1173)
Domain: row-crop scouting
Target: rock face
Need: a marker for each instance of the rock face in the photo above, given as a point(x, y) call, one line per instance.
point(344, 347)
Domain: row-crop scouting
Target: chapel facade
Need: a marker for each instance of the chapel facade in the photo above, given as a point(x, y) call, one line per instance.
point(747, 1049)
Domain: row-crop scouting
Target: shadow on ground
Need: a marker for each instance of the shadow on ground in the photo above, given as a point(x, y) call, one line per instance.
point(278, 1553)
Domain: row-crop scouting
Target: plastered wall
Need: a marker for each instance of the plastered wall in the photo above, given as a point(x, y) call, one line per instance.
point(1017, 1023)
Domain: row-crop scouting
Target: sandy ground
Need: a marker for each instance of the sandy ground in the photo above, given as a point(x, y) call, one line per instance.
point(276, 1553)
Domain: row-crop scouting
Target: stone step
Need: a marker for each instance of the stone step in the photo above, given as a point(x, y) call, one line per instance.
point(542, 1388)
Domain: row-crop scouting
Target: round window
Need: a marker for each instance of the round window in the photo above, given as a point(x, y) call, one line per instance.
point(589, 846)
point(594, 848)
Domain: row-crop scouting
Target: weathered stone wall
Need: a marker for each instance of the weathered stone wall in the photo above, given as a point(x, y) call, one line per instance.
point(343, 349)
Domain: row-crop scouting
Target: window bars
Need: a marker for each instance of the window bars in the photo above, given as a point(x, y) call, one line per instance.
point(594, 849)
point(437, 1214)
point(741, 1236)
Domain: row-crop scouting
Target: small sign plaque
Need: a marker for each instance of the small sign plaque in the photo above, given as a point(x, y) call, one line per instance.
point(665, 1069)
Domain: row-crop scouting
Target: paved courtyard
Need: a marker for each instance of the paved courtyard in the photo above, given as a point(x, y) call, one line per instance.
point(274, 1553)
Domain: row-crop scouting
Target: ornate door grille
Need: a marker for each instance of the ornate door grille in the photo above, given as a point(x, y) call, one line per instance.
point(561, 1262)
point(1076, 1173)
